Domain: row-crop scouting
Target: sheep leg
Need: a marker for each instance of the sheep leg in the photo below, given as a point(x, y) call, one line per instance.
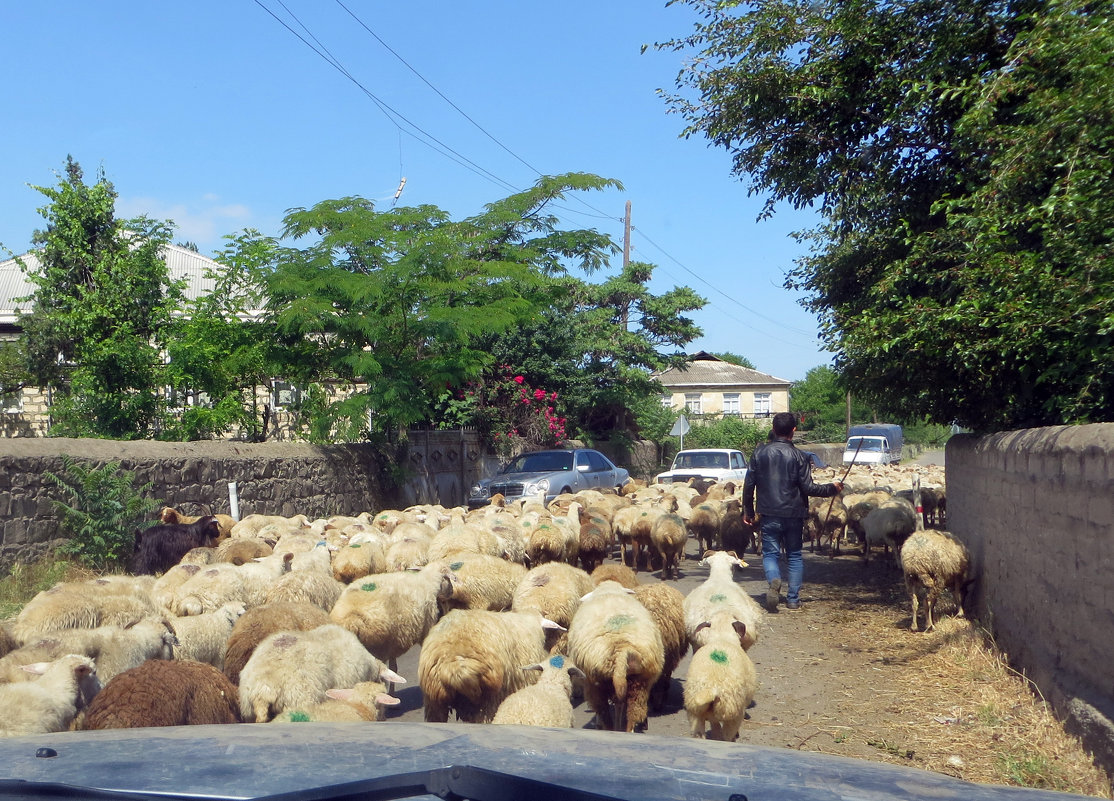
point(913, 594)
point(957, 593)
point(730, 731)
point(696, 726)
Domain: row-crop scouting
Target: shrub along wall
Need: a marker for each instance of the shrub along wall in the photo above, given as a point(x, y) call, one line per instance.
point(1036, 509)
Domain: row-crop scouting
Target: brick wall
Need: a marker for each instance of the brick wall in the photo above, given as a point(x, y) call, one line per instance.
point(1036, 509)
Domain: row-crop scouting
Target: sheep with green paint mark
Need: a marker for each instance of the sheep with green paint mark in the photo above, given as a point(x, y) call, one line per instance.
point(720, 592)
point(613, 638)
point(546, 703)
point(721, 681)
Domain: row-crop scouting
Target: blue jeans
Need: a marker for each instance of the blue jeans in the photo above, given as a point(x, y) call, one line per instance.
point(788, 531)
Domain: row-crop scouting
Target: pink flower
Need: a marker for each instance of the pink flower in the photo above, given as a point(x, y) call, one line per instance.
point(519, 379)
point(539, 394)
point(553, 395)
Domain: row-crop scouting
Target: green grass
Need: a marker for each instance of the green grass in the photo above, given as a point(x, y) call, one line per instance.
point(1030, 769)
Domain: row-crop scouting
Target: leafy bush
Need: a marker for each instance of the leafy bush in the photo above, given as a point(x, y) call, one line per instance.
point(100, 511)
point(727, 432)
point(25, 581)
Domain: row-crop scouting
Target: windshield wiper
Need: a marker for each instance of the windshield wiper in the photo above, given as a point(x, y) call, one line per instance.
point(454, 783)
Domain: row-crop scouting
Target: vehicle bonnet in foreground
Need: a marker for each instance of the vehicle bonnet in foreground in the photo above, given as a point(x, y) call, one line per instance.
point(311, 761)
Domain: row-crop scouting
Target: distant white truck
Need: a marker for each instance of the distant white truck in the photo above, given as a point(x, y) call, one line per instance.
point(873, 443)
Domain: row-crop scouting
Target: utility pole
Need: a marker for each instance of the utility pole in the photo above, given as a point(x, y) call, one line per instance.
point(626, 237)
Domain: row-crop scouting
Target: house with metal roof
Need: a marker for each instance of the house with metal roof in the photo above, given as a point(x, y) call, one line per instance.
point(707, 386)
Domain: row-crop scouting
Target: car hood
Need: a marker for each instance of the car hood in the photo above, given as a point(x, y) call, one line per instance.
point(298, 761)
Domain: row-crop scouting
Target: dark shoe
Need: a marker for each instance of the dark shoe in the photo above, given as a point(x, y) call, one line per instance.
point(793, 606)
point(773, 595)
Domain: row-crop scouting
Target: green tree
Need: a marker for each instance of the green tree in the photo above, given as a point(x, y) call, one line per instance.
point(221, 352)
point(957, 153)
point(399, 301)
point(101, 304)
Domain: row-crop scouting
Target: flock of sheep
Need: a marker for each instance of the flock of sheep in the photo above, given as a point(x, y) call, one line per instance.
point(515, 608)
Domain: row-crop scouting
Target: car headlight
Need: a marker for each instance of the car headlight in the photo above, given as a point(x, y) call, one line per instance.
point(477, 491)
point(539, 487)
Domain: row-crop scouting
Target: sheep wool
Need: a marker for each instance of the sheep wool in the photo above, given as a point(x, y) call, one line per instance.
point(472, 660)
point(481, 581)
point(721, 681)
point(366, 702)
point(203, 638)
point(666, 606)
point(159, 693)
point(553, 590)
point(257, 624)
point(51, 702)
point(933, 561)
point(720, 592)
point(311, 586)
point(614, 640)
point(294, 669)
point(545, 703)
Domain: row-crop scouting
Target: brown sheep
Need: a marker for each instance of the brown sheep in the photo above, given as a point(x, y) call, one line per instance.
point(162, 693)
point(666, 606)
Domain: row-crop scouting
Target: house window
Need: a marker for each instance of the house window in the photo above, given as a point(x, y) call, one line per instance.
point(283, 393)
point(762, 404)
point(731, 403)
point(178, 400)
point(11, 402)
point(693, 403)
point(667, 401)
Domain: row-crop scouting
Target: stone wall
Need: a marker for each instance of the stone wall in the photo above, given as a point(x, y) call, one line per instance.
point(1036, 509)
point(271, 478)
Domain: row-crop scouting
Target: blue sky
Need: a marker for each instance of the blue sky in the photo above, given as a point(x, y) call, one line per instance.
point(214, 115)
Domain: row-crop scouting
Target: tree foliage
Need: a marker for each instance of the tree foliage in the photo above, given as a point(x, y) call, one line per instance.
point(101, 305)
point(958, 152)
point(399, 302)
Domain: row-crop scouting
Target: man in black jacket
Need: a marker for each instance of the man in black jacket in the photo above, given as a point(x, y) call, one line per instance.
point(782, 477)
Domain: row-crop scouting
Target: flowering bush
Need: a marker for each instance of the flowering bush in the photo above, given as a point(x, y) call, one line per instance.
point(517, 416)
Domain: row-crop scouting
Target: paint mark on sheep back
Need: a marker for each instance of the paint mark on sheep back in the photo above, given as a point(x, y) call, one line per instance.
point(719, 656)
point(456, 566)
point(618, 621)
point(357, 545)
point(557, 661)
point(719, 597)
point(285, 641)
point(371, 586)
point(539, 580)
point(299, 717)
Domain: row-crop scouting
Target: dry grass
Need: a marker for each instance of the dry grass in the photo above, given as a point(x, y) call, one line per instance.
point(960, 709)
point(26, 581)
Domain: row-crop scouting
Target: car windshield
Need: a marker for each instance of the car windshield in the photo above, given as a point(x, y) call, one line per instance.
point(688, 460)
point(544, 462)
point(869, 444)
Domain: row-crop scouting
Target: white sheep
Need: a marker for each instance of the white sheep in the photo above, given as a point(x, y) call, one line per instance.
point(546, 703)
point(390, 613)
point(721, 681)
point(933, 561)
point(115, 648)
point(554, 590)
point(668, 536)
point(312, 586)
point(719, 591)
point(294, 669)
point(203, 638)
point(471, 660)
point(84, 605)
point(615, 641)
point(364, 555)
point(51, 702)
point(482, 581)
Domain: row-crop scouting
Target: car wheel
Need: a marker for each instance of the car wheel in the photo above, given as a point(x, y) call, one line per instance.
point(566, 489)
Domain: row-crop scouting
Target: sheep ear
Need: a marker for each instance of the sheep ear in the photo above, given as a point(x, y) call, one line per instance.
point(391, 676)
point(549, 624)
point(733, 555)
point(707, 554)
point(577, 673)
point(740, 629)
point(584, 598)
point(386, 700)
point(536, 666)
point(704, 625)
point(36, 668)
point(338, 694)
